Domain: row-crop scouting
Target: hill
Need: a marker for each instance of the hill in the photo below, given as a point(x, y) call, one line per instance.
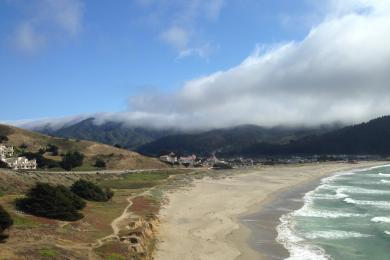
point(226, 141)
point(112, 133)
point(115, 158)
point(371, 138)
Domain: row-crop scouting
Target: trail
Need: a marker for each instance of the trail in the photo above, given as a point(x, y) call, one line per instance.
point(115, 225)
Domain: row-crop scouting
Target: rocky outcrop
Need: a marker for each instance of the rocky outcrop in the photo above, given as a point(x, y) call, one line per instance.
point(140, 237)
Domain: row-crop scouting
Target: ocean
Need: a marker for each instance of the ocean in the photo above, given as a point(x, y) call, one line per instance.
point(346, 217)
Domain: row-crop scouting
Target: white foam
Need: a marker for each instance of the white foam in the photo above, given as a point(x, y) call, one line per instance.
point(378, 204)
point(334, 234)
point(380, 166)
point(306, 212)
point(385, 181)
point(381, 219)
point(387, 232)
point(358, 190)
point(298, 249)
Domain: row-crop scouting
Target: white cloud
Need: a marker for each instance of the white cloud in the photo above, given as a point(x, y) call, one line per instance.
point(46, 19)
point(177, 37)
point(339, 72)
point(180, 22)
point(27, 39)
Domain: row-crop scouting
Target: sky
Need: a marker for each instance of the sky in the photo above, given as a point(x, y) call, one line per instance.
point(194, 63)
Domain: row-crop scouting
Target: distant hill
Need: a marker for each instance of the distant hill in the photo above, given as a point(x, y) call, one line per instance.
point(372, 138)
point(115, 158)
point(112, 133)
point(226, 141)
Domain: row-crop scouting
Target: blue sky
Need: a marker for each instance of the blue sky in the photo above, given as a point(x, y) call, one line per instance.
point(195, 63)
point(101, 54)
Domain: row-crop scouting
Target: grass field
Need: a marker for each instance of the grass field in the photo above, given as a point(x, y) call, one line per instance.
point(140, 180)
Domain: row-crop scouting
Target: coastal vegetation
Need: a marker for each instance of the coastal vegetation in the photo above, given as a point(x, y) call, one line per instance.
point(90, 191)
point(55, 202)
point(72, 160)
point(5, 223)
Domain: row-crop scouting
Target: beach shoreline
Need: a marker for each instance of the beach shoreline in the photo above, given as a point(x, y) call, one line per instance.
point(205, 221)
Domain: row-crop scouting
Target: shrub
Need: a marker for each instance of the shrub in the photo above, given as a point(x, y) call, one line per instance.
point(53, 149)
point(56, 202)
point(3, 138)
point(72, 160)
point(5, 223)
point(4, 165)
point(90, 191)
point(100, 163)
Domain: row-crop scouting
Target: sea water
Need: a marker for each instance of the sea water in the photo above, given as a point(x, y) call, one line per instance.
point(347, 217)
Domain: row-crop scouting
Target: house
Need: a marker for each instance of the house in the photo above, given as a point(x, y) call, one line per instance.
point(6, 152)
point(170, 158)
point(16, 163)
point(188, 160)
point(21, 163)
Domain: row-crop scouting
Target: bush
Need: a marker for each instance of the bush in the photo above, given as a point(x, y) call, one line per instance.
point(53, 149)
point(72, 160)
point(90, 191)
point(5, 223)
point(4, 165)
point(100, 163)
point(3, 138)
point(56, 202)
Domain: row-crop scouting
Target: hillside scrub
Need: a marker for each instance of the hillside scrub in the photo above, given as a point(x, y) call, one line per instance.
point(56, 202)
point(90, 191)
point(5, 223)
point(72, 160)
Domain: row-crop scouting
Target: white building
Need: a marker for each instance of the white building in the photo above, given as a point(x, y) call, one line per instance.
point(21, 163)
point(188, 160)
point(171, 158)
point(6, 152)
point(16, 163)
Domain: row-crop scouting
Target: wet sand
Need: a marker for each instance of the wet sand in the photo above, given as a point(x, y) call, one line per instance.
point(214, 218)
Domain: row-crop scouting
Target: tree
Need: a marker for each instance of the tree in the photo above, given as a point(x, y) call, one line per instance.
point(23, 146)
point(90, 191)
point(5, 223)
point(53, 149)
point(3, 138)
point(100, 163)
point(72, 160)
point(56, 202)
point(4, 165)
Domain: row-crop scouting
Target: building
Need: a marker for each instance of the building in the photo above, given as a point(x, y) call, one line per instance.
point(6, 152)
point(21, 163)
point(16, 163)
point(188, 160)
point(170, 158)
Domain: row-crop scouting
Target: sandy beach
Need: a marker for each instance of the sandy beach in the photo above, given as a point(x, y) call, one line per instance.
point(202, 221)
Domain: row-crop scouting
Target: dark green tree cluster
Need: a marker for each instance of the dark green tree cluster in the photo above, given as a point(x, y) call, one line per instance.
point(100, 163)
point(3, 138)
point(53, 149)
point(5, 223)
point(72, 160)
point(56, 202)
point(3, 165)
point(90, 191)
